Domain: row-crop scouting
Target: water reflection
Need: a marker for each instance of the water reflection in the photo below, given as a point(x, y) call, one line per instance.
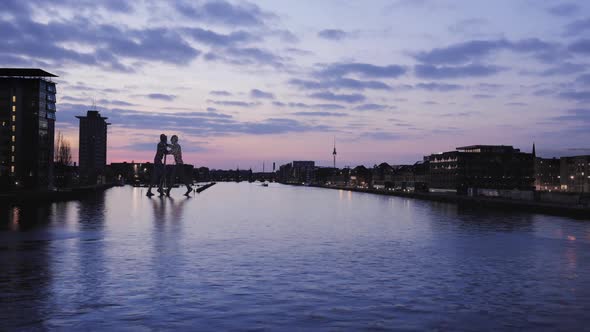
point(25, 277)
point(241, 255)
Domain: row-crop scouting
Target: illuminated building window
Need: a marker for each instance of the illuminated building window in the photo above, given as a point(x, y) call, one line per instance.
point(13, 138)
point(12, 158)
point(11, 169)
point(14, 118)
point(14, 99)
point(13, 148)
point(13, 128)
point(13, 108)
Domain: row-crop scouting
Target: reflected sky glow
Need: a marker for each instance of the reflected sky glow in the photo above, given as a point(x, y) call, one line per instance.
point(243, 255)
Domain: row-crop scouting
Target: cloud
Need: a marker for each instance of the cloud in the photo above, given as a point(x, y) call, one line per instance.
point(255, 93)
point(198, 124)
point(246, 56)
point(580, 96)
point(232, 103)
point(581, 46)
point(565, 68)
point(475, 50)
point(329, 107)
point(161, 96)
point(382, 136)
point(578, 115)
point(443, 72)
point(113, 102)
point(583, 79)
point(321, 114)
point(223, 12)
point(102, 45)
point(373, 107)
point(577, 27)
point(468, 26)
point(332, 34)
point(339, 83)
point(220, 93)
point(209, 37)
point(441, 87)
point(564, 9)
point(362, 69)
point(346, 98)
point(516, 103)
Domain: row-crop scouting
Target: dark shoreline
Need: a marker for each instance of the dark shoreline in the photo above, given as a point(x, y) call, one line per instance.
point(479, 201)
point(50, 196)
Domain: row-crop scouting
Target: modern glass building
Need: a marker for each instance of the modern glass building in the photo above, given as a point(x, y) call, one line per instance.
point(27, 125)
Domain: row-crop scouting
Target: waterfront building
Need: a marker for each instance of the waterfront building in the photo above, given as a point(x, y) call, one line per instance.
point(481, 167)
point(304, 171)
point(411, 177)
point(382, 177)
point(360, 177)
point(547, 174)
point(92, 146)
point(575, 174)
point(297, 172)
point(27, 125)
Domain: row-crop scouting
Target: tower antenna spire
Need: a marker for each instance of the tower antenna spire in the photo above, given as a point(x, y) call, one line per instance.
point(334, 152)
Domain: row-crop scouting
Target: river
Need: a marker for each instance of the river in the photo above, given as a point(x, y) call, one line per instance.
point(244, 256)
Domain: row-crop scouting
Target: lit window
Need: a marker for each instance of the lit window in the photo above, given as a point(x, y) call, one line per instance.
point(12, 158)
point(13, 118)
point(14, 129)
point(14, 99)
point(13, 138)
point(13, 148)
point(13, 108)
point(11, 169)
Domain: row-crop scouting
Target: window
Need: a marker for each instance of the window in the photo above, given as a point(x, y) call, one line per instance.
point(13, 148)
point(11, 169)
point(12, 158)
point(13, 138)
point(14, 129)
point(13, 118)
point(14, 99)
point(13, 109)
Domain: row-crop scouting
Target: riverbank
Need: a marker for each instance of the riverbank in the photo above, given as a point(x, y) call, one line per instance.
point(490, 202)
point(69, 194)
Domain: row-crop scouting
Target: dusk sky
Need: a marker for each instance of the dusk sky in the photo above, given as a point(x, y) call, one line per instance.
point(245, 82)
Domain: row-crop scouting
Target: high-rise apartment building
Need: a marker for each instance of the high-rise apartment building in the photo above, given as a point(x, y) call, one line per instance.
point(92, 146)
point(27, 125)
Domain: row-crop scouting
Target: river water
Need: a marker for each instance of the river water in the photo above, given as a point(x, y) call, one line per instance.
point(243, 256)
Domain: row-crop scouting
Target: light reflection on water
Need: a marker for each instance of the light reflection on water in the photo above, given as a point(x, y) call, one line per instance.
point(280, 257)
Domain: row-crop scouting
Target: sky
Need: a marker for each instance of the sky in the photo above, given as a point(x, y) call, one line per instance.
point(247, 82)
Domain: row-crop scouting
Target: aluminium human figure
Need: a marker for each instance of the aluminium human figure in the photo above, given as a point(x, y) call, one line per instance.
point(178, 168)
point(158, 173)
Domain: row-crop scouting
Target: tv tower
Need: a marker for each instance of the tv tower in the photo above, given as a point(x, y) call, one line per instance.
point(334, 153)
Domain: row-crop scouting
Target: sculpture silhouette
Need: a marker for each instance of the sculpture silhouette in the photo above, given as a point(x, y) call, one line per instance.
point(159, 170)
point(178, 168)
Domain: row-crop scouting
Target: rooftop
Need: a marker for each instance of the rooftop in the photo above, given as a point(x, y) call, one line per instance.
point(24, 72)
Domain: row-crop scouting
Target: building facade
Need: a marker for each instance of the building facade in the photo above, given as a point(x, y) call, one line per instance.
point(92, 146)
point(27, 126)
point(481, 167)
point(547, 174)
point(575, 174)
